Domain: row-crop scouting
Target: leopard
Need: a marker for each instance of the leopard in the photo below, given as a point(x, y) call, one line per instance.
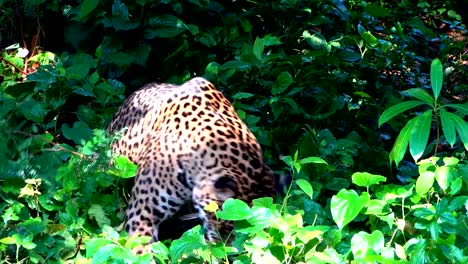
point(190, 146)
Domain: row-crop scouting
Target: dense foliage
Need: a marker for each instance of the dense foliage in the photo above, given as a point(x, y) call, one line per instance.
point(363, 102)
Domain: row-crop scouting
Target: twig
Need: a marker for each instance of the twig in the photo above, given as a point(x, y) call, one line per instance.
point(16, 67)
point(57, 145)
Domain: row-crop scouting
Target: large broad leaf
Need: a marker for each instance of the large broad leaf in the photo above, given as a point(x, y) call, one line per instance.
point(401, 143)
point(192, 240)
point(362, 243)
point(79, 133)
point(424, 182)
point(448, 126)
point(437, 77)
point(420, 134)
point(165, 26)
point(234, 210)
point(366, 179)
point(398, 109)
point(420, 94)
point(346, 205)
point(33, 110)
point(283, 81)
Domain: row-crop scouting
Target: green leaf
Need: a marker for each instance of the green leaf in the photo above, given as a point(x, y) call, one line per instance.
point(239, 65)
point(401, 143)
point(377, 10)
point(212, 68)
point(462, 129)
point(246, 25)
point(346, 205)
point(259, 219)
point(437, 77)
point(258, 47)
point(81, 64)
point(463, 108)
point(8, 240)
point(96, 212)
point(164, 26)
point(127, 169)
point(160, 251)
point(312, 160)
point(348, 55)
point(420, 134)
point(398, 109)
point(305, 186)
point(443, 176)
point(369, 38)
point(86, 7)
point(79, 133)
point(424, 182)
point(271, 40)
point(234, 210)
point(33, 110)
point(365, 179)
point(376, 207)
point(363, 244)
point(420, 94)
point(283, 81)
point(242, 95)
point(106, 253)
point(93, 246)
point(192, 240)
point(316, 41)
point(448, 126)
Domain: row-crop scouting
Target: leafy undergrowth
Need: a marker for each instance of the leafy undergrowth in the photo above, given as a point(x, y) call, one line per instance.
point(346, 96)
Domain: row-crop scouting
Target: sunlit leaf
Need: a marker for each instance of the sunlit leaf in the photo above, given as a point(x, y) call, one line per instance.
point(424, 182)
point(366, 179)
point(437, 77)
point(234, 210)
point(362, 243)
point(346, 205)
point(305, 186)
point(126, 168)
point(190, 241)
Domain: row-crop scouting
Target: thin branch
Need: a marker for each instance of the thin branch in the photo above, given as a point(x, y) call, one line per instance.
point(57, 145)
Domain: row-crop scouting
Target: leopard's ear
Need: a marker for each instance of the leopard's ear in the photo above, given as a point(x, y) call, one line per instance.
point(225, 182)
point(226, 187)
